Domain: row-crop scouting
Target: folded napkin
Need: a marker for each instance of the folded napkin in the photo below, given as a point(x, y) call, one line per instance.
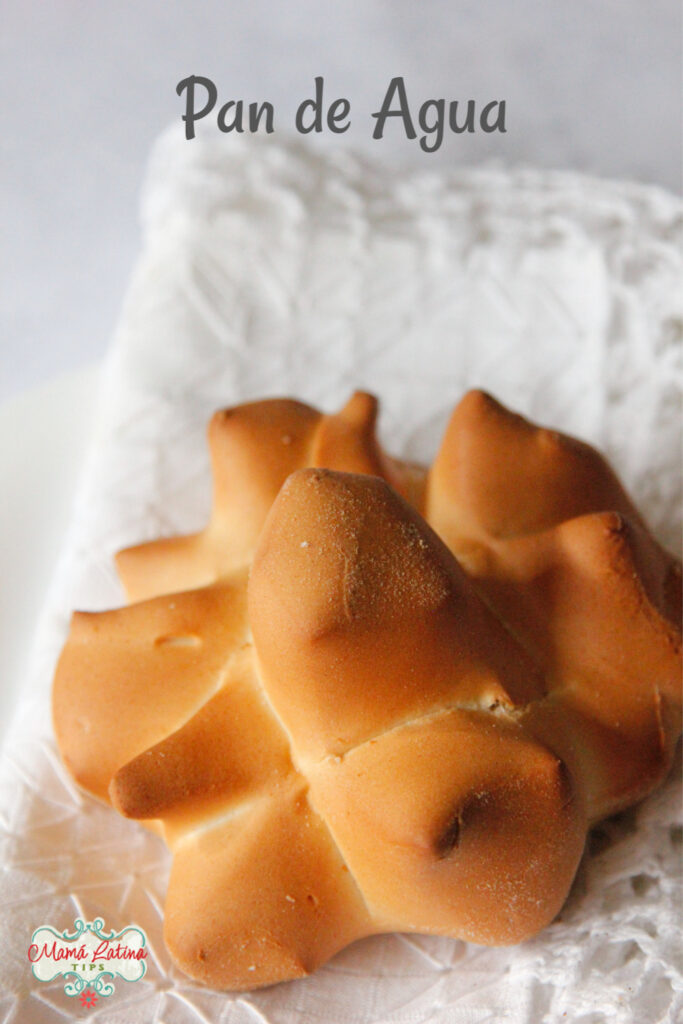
point(270, 269)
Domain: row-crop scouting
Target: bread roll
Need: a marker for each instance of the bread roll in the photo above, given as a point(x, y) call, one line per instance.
point(369, 734)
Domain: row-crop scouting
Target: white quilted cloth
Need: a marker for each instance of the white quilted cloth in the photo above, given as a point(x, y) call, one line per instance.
point(267, 269)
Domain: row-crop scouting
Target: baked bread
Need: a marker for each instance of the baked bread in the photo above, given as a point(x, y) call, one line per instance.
point(254, 447)
point(368, 738)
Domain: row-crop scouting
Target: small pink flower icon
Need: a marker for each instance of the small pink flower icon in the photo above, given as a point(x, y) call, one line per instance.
point(88, 998)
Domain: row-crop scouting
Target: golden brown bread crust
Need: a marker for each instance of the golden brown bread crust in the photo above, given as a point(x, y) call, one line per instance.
point(262, 897)
point(228, 750)
point(174, 654)
point(458, 823)
point(347, 584)
point(498, 475)
point(397, 761)
point(387, 750)
point(555, 546)
point(254, 447)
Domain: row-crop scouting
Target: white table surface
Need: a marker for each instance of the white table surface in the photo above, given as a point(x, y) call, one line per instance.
point(46, 431)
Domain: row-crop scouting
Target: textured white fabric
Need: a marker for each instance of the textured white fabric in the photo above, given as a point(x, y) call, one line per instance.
point(269, 270)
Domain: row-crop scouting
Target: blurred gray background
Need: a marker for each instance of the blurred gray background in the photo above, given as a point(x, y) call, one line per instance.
point(593, 85)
